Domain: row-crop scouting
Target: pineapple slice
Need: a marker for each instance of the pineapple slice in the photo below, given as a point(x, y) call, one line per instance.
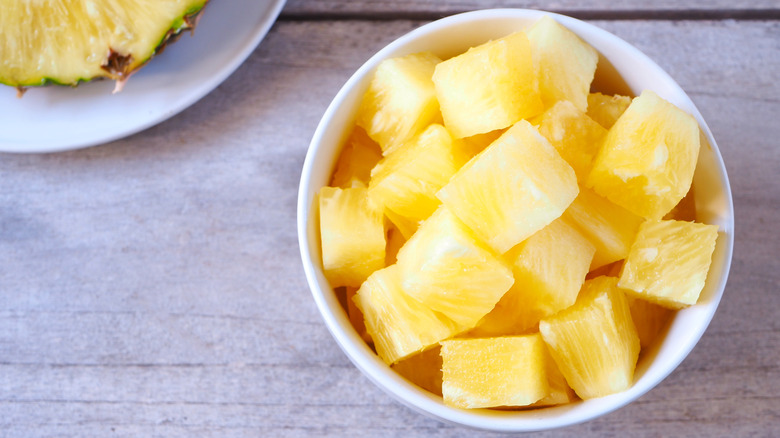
point(576, 136)
point(549, 268)
point(353, 236)
point(70, 41)
point(669, 261)
point(359, 156)
point(566, 64)
point(488, 372)
point(649, 319)
point(489, 87)
point(423, 369)
point(399, 325)
point(605, 109)
point(446, 268)
point(609, 227)
point(407, 180)
point(594, 342)
point(400, 101)
point(514, 188)
point(647, 160)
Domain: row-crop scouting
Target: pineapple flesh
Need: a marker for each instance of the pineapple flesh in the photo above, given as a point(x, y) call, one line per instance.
point(407, 180)
point(512, 189)
point(489, 87)
point(566, 64)
point(669, 261)
point(445, 267)
point(488, 372)
point(549, 268)
point(399, 325)
point(353, 235)
point(594, 342)
point(647, 160)
point(400, 101)
point(71, 41)
point(574, 135)
point(606, 109)
point(359, 155)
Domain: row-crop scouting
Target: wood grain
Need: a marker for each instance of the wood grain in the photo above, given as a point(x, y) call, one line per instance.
point(153, 286)
point(636, 9)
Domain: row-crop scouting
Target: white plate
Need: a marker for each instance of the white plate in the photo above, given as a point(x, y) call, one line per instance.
point(57, 118)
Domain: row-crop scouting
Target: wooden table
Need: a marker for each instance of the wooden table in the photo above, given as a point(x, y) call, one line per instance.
point(153, 286)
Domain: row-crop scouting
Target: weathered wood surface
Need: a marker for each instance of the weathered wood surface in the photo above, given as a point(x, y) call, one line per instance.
point(153, 287)
point(588, 9)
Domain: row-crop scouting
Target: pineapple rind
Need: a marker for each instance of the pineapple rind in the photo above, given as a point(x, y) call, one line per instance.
point(89, 52)
point(669, 261)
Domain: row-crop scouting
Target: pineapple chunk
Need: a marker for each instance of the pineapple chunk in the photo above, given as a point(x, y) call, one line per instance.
point(549, 269)
point(575, 135)
point(503, 371)
point(489, 87)
point(400, 101)
point(405, 226)
point(566, 64)
point(353, 236)
point(669, 261)
point(647, 160)
point(649, 319)
point(609, 227)
point(423, 369)
point(605, 109)
point(395, 240)
point(594, 342)
point(446, 268)
point(407, 180)
point(399, 325)
point(359, 156)
point(514, 188)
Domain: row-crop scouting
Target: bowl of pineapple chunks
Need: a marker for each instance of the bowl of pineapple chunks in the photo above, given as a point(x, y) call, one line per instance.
point(514, 220)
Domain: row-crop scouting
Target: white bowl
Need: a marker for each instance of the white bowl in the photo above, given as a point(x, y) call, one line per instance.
point(622, 69)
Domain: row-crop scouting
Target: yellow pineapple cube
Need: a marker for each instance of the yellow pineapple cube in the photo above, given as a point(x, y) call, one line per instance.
point(573, 134)
point(446, 268)
point(399, 325)
point(649, 319)
point(609, 227)
point(566, 64)
point(407, 180)
point(669, 261)
point(353, 235)
point(400, 101)
point(514, 188)
point(594, 342)
point(423, 369)
point(359, 155)
point(488, 372)
point(549, 268)
point(647, 160)
point(489, 87)
point(606, 109)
